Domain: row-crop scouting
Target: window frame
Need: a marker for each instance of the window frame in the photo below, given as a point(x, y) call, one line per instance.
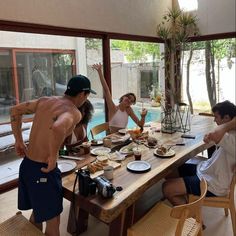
point(105, 36)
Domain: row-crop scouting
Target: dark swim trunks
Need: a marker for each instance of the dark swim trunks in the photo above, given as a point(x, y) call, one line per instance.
point(39, 191)
point(191, 180)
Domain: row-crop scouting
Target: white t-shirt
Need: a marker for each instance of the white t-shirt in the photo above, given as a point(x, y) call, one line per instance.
point(218, 170)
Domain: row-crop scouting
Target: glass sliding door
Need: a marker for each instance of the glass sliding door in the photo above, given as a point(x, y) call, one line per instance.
point(135, 67)
point(43, 73)
point(7, 95)
point(36, 65)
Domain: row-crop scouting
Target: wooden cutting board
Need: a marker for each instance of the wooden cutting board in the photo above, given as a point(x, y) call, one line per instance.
point(114, 164)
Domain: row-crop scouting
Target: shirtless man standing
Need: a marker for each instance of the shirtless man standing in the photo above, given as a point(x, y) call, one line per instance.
point(40, 186)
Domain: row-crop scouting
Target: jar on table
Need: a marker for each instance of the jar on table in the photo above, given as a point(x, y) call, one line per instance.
point(107, 142)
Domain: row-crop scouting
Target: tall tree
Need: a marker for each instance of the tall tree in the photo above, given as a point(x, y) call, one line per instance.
point(175, 29)
point(215, 51)
point(188, 78)
point(137, 51)
point(210, 73)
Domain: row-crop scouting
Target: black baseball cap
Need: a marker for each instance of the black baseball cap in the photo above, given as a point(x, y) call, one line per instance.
point(78, 83)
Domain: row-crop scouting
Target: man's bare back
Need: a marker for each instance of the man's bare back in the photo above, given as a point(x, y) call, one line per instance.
point(47, 113)
point(55, 118)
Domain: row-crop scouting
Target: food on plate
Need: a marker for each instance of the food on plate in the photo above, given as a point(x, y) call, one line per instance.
point(134, 133)
point(94, 142)
point(103, 159)
point(152, 141)
point(127, 149)
point(92, 169)
point(143, 136)
point(97, 166)
point(161, 150)
point(138, 134)
point(101, 152)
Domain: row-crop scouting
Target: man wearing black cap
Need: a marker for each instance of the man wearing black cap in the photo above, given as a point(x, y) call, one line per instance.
point(40, 186)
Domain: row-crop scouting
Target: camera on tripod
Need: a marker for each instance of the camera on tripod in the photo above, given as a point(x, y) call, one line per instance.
point(88, 186)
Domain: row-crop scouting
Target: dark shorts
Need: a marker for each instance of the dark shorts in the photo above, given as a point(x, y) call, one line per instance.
point(191, 180)
point(39, 191)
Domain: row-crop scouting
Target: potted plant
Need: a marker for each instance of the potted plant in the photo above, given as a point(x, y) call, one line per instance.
point(175, 29)
point(155, 96)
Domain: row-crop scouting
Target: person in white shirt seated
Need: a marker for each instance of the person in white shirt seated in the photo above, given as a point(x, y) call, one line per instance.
point(79, 134)
point(218, 170)
point(118, 115)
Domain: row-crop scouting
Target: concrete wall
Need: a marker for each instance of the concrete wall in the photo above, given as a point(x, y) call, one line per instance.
point(136, 17)
point(216, 16)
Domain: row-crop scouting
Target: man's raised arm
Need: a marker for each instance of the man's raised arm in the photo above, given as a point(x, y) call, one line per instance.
point(219, 132)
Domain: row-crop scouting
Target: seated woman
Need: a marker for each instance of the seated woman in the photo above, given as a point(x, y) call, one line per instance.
point(79, 135)
point(118, 115)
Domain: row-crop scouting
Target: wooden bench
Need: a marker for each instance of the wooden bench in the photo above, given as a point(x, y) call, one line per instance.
point(7, 140)
point(9, 162)
point(18, 225)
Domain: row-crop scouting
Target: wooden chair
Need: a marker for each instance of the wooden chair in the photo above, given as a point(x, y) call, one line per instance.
point(179, 220)
point(18, 225)
point(99, 129)
point(226, 202)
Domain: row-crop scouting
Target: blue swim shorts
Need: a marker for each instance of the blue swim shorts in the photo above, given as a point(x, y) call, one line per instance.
point(191, 180)
point(39, 191)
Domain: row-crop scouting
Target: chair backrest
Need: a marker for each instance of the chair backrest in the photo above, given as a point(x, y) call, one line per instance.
point(19, 225)
point(99, 128)
point(192, 209)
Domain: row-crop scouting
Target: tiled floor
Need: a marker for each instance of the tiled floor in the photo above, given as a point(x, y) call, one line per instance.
point(217, 224)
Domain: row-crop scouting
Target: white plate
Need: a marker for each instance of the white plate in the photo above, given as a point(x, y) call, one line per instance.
point(122, 131)
point(118, 139)
point(99, 142)
point(66, 165)
point(138, 166)
point(100, 151)
point(170, 153)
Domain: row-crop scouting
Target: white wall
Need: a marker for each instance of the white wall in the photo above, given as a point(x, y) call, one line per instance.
point(216, 16)
point(138, 17)
point(29, 40)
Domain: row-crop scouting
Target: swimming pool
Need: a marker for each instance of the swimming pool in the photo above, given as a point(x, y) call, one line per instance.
point(99, 117)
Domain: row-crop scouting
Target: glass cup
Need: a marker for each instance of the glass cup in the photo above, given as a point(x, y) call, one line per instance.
point(137, 154)
point(86, 146)
point(108, 172)
point(107, 142)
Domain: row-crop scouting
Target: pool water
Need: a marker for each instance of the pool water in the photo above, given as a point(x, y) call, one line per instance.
point(99, 117)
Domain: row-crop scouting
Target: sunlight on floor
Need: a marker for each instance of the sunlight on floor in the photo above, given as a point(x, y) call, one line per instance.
point(214, 219)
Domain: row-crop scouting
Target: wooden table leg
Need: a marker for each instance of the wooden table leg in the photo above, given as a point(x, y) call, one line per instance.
point(129, 218)
point(79, 224)
point(116, 226)
point(119, 226)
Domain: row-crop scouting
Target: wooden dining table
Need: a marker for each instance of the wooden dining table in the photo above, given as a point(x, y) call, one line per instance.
point(118, 212)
